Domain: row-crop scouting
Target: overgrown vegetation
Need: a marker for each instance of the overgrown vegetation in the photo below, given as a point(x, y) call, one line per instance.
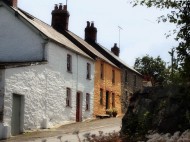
point(158, 109)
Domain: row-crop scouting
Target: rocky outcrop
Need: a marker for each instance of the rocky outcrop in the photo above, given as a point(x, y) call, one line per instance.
point(161, 109)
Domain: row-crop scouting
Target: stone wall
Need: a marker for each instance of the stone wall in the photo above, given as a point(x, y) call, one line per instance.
point(128, 88)
point(106, 85)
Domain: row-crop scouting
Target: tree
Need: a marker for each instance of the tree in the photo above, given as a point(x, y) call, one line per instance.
point(152, 69)
point(180, 16)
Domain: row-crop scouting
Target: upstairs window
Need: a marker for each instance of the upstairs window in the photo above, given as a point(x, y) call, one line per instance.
point(68, 97)
point(69, 63)
point(88, 75)
point(113, 76)
point(126, 76)
point(102, 71)
point(87, 101)
point(101, 96)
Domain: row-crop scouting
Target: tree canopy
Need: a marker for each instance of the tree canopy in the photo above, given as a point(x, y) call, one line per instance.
point(180, 16)
point(152, 69)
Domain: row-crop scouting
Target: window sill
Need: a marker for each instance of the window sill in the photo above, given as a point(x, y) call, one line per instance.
point(88, 79)
point(69, 71)
point(68, 106)
point(87, 110)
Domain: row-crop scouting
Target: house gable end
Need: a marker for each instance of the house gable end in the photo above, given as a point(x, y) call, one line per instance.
point(17, 37)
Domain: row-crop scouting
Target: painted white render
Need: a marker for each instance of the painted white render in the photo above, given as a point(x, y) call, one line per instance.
point(18, 43)
point(40, 88)
point(43, 89)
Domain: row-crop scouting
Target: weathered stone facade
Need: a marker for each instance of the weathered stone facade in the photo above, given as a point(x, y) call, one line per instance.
point(128, 86)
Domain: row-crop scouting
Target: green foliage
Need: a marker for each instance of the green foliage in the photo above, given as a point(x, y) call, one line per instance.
point(153, 69)
point(180, 16)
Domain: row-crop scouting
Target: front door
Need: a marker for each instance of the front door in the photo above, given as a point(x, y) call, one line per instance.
point(78, 107)
point(16, 115)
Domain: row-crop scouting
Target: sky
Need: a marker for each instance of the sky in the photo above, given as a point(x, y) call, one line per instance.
point(140, 34)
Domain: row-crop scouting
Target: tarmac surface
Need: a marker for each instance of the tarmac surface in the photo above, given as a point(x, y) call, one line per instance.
point(68, 133)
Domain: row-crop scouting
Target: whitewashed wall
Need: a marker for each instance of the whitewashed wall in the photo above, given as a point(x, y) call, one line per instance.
point(18, 42)
point(1, 88)
point(44, 89)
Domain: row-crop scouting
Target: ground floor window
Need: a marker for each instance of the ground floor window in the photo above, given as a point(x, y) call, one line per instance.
point(68, 97)
point(87, 101)
point(101, 96)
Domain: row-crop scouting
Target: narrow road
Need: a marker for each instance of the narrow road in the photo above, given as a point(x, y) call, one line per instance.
point(68, 132)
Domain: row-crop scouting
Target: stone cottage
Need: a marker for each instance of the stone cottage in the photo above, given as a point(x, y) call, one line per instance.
point(45, 79)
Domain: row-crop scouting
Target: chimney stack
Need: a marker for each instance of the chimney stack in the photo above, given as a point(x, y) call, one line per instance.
point(12, 3)
point(90, 32)
point(60, 18)
point(115, 50)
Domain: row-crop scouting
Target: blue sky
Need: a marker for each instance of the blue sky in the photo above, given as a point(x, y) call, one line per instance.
point(141, 33)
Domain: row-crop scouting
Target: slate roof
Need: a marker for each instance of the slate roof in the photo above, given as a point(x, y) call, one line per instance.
point(89, 47)
point(118, 59)
point(49, 32)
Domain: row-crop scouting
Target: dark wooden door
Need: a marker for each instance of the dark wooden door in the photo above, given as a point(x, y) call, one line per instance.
point(107, 99)
point(16, 114)
point(78, 101)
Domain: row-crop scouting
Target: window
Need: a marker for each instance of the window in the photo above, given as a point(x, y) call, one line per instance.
point(113, 76)
point(88, 71)
point(102, 71)
point(126, 76)
point(113, 100)
point(87, 101)
point(101, 96)
point(68, 97)
point(135, 80)
point(69, 63)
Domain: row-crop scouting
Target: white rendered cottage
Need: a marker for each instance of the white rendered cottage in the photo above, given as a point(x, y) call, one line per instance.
point(45, 79)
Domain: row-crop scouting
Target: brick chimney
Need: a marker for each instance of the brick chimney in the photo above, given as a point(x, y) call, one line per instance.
point(60, 18)
point(12, 3)
point(115, 50)
point(90, 32)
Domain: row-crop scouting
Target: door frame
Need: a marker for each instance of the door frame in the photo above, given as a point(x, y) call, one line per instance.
point(22, 100)
point(107, 99)
point(78, 107)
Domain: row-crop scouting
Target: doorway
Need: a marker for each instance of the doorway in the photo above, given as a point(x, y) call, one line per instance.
point(16, 115)
point(107, 99)
point(78, 108)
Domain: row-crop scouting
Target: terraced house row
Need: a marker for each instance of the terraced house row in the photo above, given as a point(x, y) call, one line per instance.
point(50, 76)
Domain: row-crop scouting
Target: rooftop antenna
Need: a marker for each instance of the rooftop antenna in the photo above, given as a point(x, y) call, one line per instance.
point(120, 28)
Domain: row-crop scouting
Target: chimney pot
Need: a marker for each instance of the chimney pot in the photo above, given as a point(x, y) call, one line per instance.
point(88, 24)
point(92, 24)
point(60, 6)
point(65, 8)
point(56, 7)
